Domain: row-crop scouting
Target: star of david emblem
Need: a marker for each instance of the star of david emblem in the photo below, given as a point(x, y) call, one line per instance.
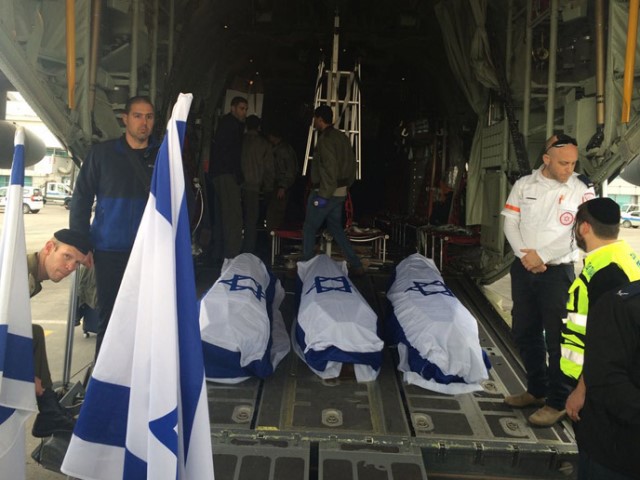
point(329, 284)
point(235, 286)
point(431, 288)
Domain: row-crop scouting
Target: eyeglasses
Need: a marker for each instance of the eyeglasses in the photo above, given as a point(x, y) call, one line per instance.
point(562, 140)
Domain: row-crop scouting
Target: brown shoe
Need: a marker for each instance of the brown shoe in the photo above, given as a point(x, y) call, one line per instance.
point(524, 399)
point(546, 416)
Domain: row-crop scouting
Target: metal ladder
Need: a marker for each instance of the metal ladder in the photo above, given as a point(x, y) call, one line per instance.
point(340, 90)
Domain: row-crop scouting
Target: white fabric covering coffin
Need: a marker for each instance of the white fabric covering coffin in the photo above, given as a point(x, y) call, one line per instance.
point(431, 320)
point(335, 324)
point(234, 322)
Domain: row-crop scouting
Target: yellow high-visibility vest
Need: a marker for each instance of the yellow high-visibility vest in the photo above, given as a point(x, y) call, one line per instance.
point(575, 325)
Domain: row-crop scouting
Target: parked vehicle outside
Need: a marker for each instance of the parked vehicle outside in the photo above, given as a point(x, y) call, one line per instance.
point(629, 207)
point(630, 219)
point(32, 201)
point(56, 193)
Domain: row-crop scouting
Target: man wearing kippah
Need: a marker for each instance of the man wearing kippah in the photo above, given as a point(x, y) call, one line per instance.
point(60, 256)
point(539, 216)
point(609, 265)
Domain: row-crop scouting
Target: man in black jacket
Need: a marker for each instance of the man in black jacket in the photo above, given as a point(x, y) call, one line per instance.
point(117, 174)
point(608, 432)
point(226, 171)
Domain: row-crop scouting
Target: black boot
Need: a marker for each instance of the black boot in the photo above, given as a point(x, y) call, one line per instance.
point(51, 418)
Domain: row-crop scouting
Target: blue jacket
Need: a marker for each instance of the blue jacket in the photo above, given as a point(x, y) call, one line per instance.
point(121, 190)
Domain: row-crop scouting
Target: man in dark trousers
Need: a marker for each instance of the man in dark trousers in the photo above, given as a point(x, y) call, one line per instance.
point(285, 171)
point(226, 171)
point(333, 170)
point(57, 259)
point(117, 174)
point(539, 216)
point(257, 170)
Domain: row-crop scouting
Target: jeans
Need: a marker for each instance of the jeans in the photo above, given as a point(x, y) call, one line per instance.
point(539, 305)
point(332, 214)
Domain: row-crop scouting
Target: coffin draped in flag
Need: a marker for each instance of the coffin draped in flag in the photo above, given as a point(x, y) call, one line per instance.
point(17, 390)
point(145, 414)
point(335, 324)
point(242, 328)
point(437, 336)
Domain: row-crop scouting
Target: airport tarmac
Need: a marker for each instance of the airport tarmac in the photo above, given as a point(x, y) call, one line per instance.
point(50, 309)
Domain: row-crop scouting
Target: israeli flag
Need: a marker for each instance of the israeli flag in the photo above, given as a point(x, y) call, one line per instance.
point(335, 324)
point(17, 389)
point(145, 414)
point(242, 328)
point(437, 336)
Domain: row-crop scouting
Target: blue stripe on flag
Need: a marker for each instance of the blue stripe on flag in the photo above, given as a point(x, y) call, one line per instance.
point(164, 429)
point(17, 168)
point(222, 363)
point(4, 333)
point(97, 427)
point(189, 340)
point(161, 181)
point(16, 356)
point(134, 467)
point(5, 413)
point(318, 359)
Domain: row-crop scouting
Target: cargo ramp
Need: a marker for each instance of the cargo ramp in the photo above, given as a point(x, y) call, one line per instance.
point(295, 425)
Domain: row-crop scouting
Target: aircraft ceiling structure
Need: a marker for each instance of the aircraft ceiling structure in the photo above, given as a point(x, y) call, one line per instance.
point(407, 55)
point(205, 47)
point(274, 47)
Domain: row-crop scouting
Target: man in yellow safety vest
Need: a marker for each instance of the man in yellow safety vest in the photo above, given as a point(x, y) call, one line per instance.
point(610, 264)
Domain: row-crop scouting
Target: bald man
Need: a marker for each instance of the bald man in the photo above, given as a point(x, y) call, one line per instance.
point(539, 216)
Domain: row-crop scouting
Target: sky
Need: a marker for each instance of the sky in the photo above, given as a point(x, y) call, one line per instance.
point(19, 112)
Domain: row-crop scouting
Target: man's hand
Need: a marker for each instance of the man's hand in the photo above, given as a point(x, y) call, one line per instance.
point(531, 259)
point(38, 384)
point(280, 193)
point(87, 261)
point(320, 202)
point(541, 269)
point(575, 401)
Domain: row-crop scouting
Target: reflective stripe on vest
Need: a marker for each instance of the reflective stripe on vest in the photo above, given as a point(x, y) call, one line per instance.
point(574, 326)
point(571, 362)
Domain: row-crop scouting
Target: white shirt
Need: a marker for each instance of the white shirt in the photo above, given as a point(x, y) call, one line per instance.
point(539, 214)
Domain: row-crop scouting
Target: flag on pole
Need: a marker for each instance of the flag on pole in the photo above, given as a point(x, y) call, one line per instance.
point(17, 389)
point(145, 414)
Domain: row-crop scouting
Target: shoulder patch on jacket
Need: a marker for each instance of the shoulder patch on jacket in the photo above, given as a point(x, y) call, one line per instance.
point(629, 291)
point(586, 180)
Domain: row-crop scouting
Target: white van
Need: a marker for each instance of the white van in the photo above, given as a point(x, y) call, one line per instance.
point(56, 193)
point(31, 199)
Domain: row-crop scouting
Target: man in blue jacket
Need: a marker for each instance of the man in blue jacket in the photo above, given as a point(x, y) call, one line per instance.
point(117, 174)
